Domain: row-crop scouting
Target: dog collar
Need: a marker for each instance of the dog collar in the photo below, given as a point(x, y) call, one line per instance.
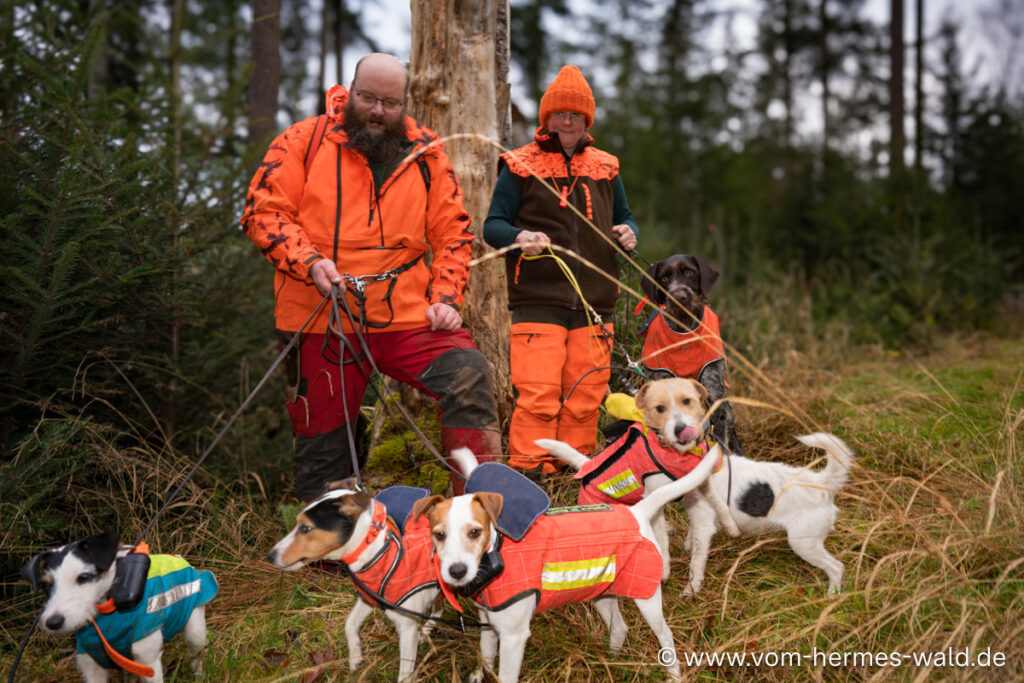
point(377, 524)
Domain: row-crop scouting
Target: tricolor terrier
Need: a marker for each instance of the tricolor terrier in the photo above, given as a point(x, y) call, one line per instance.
point(683, 339)
point(84, 581)
point(568, 555)
point(762, 496)
point(636, 462)
point(348, 525)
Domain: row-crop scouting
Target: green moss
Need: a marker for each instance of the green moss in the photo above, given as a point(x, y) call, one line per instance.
point(401, 457)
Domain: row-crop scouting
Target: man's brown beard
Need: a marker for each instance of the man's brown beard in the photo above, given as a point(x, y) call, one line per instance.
point(375, 145)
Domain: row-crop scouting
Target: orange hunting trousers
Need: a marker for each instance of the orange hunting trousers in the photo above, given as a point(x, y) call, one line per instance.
point(556, 398)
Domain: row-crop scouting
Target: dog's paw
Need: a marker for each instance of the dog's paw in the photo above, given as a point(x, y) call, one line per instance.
point(475, 677)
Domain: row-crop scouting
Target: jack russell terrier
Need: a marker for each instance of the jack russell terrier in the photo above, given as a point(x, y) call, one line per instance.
point(638, 462)
point(121, 606)
point(762, 496)
point(567, 555)
point(382, 551)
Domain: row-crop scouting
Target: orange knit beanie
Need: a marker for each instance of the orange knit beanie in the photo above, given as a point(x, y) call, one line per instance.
point(568, 92)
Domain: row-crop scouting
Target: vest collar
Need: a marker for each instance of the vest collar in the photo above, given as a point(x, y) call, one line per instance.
point(378, 522)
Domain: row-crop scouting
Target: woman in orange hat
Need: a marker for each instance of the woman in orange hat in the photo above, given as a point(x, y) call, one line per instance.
point(559, 357)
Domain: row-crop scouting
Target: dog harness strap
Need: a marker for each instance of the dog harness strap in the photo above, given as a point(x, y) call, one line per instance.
point(129, 665)
point(377, 524)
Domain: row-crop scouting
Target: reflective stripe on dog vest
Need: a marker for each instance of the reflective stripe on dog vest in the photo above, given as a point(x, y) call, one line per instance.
point(402, 567)
point(574, 554)
point(617, 473)
point(687, 353)
point(173, 589)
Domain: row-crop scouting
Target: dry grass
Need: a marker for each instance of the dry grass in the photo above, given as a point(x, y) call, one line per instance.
point(930, 531)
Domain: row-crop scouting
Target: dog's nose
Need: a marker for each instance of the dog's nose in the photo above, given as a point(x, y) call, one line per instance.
point(272, 556)
point(55, 622)
point(686, 433)
point(458, 570)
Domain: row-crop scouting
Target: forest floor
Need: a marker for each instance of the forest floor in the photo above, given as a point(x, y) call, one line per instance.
point(930, 530)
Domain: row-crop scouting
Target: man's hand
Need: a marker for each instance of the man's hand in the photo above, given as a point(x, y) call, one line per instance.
point(625, 236)
point(324, 273)
point(443, 317)
point(532, 243)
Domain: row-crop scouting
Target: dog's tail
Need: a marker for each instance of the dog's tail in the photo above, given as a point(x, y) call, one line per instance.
point(465, 461)
point(563, 452)
point(840, 458)
point(661, 496)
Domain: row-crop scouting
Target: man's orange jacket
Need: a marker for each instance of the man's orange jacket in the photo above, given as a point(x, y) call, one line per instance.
point(339, 213)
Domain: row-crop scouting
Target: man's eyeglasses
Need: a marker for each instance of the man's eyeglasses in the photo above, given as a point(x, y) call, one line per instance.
point(573, 116)
point(389, 103)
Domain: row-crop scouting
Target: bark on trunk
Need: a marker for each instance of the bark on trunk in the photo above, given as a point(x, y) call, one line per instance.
point(458, 73)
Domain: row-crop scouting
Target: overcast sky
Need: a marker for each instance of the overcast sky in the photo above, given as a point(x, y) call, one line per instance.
point(389, 23)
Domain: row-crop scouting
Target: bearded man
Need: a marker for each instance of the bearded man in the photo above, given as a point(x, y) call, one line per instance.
point(359, 206)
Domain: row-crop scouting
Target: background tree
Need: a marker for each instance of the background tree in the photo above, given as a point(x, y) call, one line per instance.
point(266, 70)
point(456, 101)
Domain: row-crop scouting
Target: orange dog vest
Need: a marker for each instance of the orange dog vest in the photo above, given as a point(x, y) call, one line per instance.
point(617, 473)
point(574, 554)
point(402, 567)
point(685, 354)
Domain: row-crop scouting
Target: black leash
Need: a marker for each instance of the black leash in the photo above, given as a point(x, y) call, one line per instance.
point(21, 648)
point(335, 328)
point(381, 600)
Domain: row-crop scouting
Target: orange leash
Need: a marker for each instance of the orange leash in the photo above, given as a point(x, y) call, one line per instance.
point(129, 665)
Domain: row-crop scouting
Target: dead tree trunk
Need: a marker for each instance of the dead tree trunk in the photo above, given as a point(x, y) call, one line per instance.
point(458, 85)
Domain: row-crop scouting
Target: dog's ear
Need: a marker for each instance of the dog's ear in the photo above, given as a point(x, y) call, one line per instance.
point(354, 505)
point(349, 484)
point(702, 391)
point(649, 289)
point(641, 396)
point(423, 505)
point(708, 275)
point(100, 549)
point(491, 503)
point(35, 569)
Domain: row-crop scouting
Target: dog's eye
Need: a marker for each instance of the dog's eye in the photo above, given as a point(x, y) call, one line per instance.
point(687, 401)
point(659, 409)
point(689, 272)
point(475, 533)
point(440, 535)
point(305, 529)
point(86, 577)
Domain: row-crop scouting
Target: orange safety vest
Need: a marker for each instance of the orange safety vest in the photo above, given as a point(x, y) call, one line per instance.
point(574, 554)
point(339, 213)
point(685, 354)
point(617, 473)
point(402, 567)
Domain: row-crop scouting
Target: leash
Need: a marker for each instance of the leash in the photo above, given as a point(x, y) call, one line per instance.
point(597, 321)
point(334, 325)
point(381, 600)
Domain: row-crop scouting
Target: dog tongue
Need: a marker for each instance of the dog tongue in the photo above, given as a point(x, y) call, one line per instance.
point(688, 434)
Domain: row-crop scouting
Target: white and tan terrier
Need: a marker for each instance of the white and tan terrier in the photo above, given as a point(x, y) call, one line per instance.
point(568, 555)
